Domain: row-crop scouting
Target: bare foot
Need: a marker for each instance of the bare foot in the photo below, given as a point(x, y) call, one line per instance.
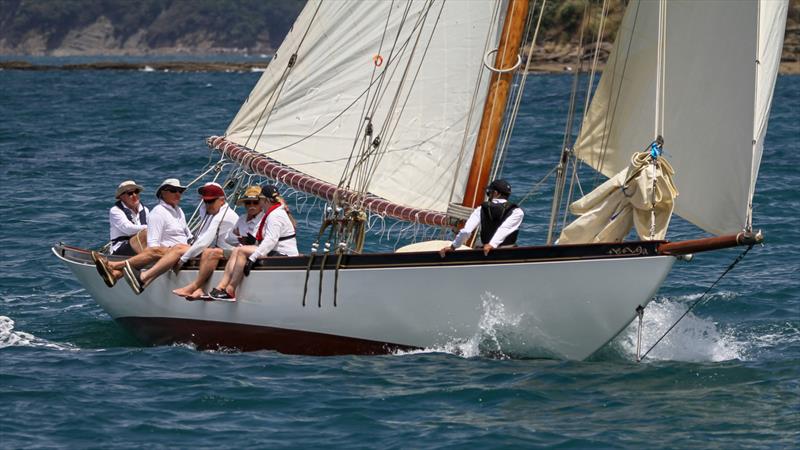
point(184, 291)
point(197, 294)
point(117, 273)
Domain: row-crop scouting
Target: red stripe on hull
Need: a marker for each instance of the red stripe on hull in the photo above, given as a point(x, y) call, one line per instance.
point(270, 168)
point(208, 335)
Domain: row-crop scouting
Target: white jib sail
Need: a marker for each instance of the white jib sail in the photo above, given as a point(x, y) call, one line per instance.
point(721, 64)
point(431, 52)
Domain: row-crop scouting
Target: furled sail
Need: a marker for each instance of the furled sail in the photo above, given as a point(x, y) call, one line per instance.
point(414, 68)
point(721, 63)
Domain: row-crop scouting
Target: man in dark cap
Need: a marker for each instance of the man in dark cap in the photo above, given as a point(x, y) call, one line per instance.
point(499, 220)
point(275, 236)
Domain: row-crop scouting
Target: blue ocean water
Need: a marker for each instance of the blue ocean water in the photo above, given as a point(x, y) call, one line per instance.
point(728, 376)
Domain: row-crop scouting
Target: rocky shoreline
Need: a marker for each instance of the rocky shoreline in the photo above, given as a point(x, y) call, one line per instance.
point(545, 66)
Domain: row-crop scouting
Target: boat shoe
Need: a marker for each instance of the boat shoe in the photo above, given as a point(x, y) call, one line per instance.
point(132, 277)
point(103, 270)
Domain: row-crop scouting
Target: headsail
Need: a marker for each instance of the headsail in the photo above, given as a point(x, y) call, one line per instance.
point(417, 62)
point(721, 65)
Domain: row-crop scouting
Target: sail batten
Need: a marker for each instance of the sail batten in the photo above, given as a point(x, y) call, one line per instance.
point(721, 65)
point(410, 68)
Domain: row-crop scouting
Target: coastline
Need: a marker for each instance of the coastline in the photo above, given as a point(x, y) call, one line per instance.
point(549, 67)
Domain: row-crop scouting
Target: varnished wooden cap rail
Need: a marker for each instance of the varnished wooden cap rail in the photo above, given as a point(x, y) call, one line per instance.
point(712, 243)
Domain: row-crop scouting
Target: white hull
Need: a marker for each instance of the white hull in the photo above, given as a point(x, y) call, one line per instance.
point(566, 309)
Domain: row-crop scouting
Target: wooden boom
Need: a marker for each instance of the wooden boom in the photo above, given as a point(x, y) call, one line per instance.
point(712, 243)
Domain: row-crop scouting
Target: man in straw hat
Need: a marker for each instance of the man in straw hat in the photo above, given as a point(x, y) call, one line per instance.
point(166, 229)
point(275, 236)
point(128, 220)
point(241, 233)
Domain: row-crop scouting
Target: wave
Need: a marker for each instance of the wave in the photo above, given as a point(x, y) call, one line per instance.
point(694, 339)
point(11, 338)
point(502, 335)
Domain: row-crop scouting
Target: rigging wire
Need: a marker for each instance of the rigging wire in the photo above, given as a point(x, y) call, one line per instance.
point(496, 93)
point(697, 302)
point(611, 113)
point(473, 104)
point(281, 82)
point(512, 120)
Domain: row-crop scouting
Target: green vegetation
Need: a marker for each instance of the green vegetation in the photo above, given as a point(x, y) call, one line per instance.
point(226, 23)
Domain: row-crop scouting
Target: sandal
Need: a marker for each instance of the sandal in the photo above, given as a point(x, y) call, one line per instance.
point(132, 277)
point(103, 270)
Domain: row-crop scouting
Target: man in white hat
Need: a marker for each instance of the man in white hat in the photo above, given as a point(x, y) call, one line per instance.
point(216, 221)
point(128, 220)
point(167, 229)
point(242, 233)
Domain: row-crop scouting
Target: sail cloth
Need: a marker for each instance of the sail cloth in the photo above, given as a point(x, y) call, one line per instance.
point(423, 61)
point(625, 200)
point(721, 64)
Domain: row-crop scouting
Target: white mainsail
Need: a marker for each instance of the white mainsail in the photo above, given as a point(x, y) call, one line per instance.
point(721, 64)
point(432, 55)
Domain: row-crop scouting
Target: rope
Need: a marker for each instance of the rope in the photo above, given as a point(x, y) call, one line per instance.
point(696, 302)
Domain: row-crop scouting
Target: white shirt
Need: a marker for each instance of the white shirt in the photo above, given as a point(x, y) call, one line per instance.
point(243, 227)
point(166, 226)
point(510, 225)
point(120, 225)
point(278, 224)
point(214, 228)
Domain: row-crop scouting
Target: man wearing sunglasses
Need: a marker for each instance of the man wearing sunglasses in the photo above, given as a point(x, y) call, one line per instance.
point(275, 236)
point(215, 239)
point(216, 220)
point(499, 220)
point(166, 230)
point(128, 221)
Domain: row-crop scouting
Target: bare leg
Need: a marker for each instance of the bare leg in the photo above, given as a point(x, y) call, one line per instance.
point(208, 262)
point(237, 274)
point(164, 264)
point(139, 241)
point(147, 256)
point(230, 267)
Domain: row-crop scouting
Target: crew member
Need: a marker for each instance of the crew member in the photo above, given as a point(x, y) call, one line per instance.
point(128, 220)
point(275, 237)
point(217, 246)
point(167, 229)
point(499, 220)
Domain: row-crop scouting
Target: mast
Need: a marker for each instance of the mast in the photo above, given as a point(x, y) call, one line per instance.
point(499, 86)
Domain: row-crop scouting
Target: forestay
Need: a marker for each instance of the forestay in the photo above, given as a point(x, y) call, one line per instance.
point(721, 64)
point(423, 60)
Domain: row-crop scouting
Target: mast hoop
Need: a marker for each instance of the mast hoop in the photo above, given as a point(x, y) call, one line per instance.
point(495, 69)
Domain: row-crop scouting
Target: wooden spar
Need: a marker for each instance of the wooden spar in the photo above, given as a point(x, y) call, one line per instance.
point(499, 86)
point(270, 168)
point(712, 243)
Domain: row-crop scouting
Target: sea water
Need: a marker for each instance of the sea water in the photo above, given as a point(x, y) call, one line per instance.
point(725, 377)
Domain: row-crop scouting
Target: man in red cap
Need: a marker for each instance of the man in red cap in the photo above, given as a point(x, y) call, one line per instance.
point(217, 219)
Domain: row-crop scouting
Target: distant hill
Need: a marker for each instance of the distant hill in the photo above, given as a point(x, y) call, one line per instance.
point(142, 27)
point(136, 27)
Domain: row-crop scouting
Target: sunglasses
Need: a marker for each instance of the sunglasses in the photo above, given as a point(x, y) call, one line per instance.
point(173, 190)
point(208, 202)
point(250, 202)
point(131, 193)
